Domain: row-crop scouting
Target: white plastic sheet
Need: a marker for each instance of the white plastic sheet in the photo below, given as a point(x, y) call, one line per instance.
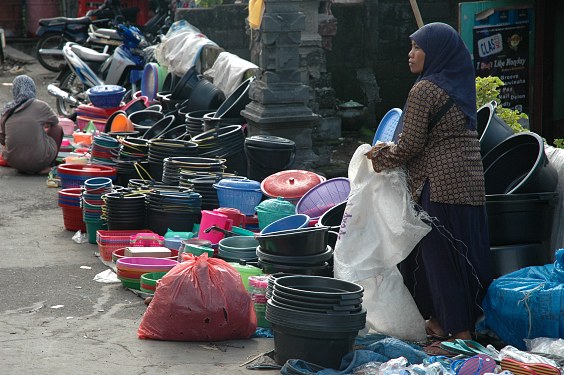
point(228, 71)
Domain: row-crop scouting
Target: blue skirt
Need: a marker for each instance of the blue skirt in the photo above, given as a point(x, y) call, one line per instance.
point(449, 271)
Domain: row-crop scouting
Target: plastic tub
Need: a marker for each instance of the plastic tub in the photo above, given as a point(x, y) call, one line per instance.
point(148, 281)
point(492, 130)
point(120, 253)
point(242, 194)
point(106, 96)
point(519, 165)
point(240, 243)
point(520, 218)
point(290, 222)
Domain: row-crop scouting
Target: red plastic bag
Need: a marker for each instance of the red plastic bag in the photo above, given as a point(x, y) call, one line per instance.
point(3, 162)
point(200, 299)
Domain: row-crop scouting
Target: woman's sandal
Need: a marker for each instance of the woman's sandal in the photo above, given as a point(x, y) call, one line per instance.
point(468, 348)
point(436, 349)
point(434, 335)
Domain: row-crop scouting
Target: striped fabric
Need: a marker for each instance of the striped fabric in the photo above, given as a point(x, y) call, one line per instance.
point(521, 368)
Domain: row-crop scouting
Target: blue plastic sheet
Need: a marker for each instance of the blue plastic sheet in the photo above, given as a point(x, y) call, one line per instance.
point(527, 303)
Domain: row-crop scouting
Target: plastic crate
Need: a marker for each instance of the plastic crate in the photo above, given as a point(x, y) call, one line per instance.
point(110, 240)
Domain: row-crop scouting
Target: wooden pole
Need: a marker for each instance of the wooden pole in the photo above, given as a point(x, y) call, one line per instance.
point(417, 13)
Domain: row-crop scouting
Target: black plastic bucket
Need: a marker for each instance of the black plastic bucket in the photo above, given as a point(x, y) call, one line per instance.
point(492, 130)
point(509, 258)
point(325, 349)
point(519, 165)
point(267, 155)
point(520, 218)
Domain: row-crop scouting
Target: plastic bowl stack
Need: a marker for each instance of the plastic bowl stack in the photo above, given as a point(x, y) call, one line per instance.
point(149, 281)
point(120, 253)
point(237, 248)
point(303, 251)
point(130, 269)
point(315, 318)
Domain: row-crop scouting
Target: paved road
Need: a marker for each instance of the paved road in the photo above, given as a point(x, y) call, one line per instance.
point(94, 328)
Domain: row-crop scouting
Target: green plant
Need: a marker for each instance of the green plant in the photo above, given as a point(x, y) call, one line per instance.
point(559, 143)
point(487, 90)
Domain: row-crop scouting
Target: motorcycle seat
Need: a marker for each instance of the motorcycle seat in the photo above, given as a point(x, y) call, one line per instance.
point(107, 34)
point(64, 20)
point(88, 54)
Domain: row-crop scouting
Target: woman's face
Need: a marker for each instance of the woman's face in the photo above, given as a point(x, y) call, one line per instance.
point(416, 58)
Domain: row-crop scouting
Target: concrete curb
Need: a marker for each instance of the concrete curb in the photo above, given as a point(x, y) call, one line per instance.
point(18, 56)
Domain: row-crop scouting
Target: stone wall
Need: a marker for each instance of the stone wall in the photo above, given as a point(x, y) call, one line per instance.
point(372, 39)
point(375, 35)
point(224, 24)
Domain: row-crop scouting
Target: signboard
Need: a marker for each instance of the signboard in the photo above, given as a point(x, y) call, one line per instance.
point(503, 51)
point(499, 36)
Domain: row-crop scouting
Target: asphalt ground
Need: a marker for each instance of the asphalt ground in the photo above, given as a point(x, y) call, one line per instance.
point(54, 319)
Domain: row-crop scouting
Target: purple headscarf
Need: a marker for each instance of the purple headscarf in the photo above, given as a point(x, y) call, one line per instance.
point(449, 66)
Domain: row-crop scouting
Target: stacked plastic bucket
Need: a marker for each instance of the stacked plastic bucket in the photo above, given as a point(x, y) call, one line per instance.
point(257, 289)
point(74, 175)
point(520, 193)
point(93, 205)
point(314, 318)
point(69, 201)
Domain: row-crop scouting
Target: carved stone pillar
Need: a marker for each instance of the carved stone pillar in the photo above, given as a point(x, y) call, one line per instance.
point(278, 96)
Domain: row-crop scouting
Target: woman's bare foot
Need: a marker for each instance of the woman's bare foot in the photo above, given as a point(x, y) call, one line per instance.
point(435, 331)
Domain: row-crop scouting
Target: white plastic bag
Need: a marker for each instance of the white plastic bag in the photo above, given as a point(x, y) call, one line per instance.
point(390, 309)
point(380, 227)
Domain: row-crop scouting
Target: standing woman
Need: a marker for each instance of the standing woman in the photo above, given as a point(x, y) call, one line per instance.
point(448, 272)
point(29, 130)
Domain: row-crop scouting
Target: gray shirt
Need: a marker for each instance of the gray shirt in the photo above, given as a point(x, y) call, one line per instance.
point(28, 148)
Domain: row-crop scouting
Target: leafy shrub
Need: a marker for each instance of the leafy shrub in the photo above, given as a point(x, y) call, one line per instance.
point(487, 90)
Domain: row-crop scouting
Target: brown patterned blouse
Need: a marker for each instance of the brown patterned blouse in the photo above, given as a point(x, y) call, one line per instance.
point(448, 155)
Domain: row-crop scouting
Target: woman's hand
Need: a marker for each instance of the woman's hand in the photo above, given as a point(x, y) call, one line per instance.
point(375, 149)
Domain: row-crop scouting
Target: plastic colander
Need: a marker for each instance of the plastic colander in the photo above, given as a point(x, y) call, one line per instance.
point(323, 196)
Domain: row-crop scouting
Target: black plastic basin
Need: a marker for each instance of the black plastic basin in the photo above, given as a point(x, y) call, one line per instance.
point(519, 165)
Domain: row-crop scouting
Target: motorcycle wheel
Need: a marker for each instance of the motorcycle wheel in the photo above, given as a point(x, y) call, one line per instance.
point(51, 40)
point(74, 86)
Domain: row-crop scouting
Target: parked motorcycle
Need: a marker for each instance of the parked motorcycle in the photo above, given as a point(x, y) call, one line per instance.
point(87, 68)
point(53, 33)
